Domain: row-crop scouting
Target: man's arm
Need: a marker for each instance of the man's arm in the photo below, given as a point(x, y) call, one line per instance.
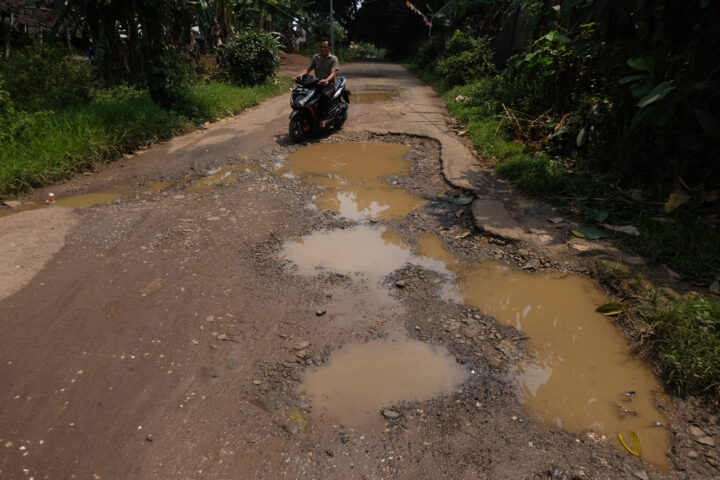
point(308, 69)
point(330, 77)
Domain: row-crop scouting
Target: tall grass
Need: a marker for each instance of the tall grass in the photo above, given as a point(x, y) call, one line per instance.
point(43, 147)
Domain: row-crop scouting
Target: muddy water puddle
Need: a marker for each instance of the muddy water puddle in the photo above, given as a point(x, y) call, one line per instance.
point(354, 174)
point(373, 96)
point(583, 375)
point(224, 175)
point(86, 200)
point(373, 252)
point(361, 379)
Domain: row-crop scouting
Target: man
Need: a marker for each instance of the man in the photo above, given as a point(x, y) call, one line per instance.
point(325, 66)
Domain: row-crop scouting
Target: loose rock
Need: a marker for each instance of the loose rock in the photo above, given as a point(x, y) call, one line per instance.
point(302, 345)
point(400, 284)
point(391, 414)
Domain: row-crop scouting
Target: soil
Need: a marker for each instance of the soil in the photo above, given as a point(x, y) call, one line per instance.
point(157, 337)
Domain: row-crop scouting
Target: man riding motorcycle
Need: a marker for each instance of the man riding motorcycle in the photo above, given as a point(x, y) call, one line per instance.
point(325, 65)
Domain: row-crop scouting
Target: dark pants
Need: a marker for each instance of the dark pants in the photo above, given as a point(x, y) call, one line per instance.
point(326, 94)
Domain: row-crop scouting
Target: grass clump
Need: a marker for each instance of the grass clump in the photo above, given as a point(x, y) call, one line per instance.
point(687, 341)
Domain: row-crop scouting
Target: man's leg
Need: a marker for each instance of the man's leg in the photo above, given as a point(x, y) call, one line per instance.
point(324, 102)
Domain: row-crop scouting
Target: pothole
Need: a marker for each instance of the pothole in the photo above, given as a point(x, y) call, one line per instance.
point(354, 173)
point(582, 375)
point(373, 96)
point(361, 379)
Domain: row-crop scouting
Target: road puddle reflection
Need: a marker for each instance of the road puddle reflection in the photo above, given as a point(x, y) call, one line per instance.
point(361, 379)
point(370, 251)
point(353, 173)
point(583, 375)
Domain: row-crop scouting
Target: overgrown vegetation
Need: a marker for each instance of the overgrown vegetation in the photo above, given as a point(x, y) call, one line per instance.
point(249, 58)
point(62, 112)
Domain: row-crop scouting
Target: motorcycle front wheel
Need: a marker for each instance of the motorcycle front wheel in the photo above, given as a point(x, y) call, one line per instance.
point(299, 128)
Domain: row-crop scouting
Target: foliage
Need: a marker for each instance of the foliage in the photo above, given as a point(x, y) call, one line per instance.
point(45, 76)
point(6, 103)
point(249, 58)
point(466, 58)
point(43, 147)
point(169, 78)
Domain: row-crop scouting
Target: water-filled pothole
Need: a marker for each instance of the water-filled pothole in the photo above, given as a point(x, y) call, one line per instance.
point(373, 96)
point(582, 375)
point(85, 200)
point(353, 173)
point(361, 379)
point(225, 175)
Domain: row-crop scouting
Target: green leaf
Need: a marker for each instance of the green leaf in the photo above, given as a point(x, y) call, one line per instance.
point(632, 78)
point(612, 308)
point(657, 93)
point(597, 215)
point(644, 64)
point(589, 233)
point(463, 200)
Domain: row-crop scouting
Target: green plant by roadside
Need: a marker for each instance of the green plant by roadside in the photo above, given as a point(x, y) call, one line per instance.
point(250, 58)
point(6, 103)
point(169, 78)
point(465, 59)
point(46, 77)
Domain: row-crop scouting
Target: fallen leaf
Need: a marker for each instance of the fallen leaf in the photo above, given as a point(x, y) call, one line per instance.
point(589, 233)
point(462, 235)
point(463, 200)
point(629, 229)
point(556, 219)
point(675, 200)
point(612, 308)
point(635, 440)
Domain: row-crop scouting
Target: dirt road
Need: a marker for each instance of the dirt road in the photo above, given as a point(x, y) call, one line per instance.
point(239, 310)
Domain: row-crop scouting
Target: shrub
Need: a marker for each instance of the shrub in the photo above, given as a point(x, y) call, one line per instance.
point(249, 58)
point(42, 77)
point(169, 78)
point(366, 50)
point(6, 105)
point(467, 59)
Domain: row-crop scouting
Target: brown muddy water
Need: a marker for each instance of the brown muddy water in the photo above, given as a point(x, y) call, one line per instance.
point(362, 379)
point(582, 375)
point(354, 173)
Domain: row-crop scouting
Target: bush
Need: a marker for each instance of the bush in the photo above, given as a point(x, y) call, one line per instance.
point(42, 77)
point(169, 78)
point(249, 58)
point(467, 59)
point(6, 105)
point(366, 50)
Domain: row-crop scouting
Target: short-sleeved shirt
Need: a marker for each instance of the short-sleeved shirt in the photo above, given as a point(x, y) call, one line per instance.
point(323, 66)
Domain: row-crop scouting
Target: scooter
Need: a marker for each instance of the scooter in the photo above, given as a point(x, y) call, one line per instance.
point(305, 119)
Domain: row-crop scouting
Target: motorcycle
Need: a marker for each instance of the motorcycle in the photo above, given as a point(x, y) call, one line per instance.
point(305, 101)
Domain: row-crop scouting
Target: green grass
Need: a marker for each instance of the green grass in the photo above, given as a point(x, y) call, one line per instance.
point(687, 342)
point(40, 148)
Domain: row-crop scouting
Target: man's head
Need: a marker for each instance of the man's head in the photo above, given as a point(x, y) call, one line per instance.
point(324, 47)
